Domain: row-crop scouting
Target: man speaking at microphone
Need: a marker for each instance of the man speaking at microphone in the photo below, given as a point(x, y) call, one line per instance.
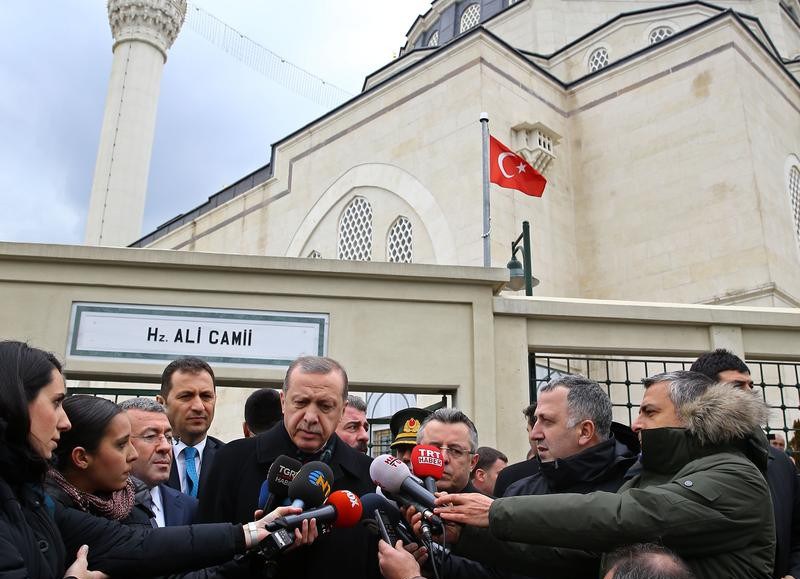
point(313, 400)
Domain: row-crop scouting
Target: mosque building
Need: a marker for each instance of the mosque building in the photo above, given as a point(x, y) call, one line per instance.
point(668, 132)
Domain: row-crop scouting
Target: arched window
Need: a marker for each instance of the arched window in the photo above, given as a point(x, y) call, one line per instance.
point(399, 243)
point(434, 39)
point(660, 33)
point(794, 196)
point(355, 231)
point(598, 59)
point(470, 17)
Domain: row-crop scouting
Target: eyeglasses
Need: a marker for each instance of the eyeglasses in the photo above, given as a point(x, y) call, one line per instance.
point(455, 452)
point(154, 439)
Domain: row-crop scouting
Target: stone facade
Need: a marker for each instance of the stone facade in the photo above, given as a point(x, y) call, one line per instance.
point(669, 181)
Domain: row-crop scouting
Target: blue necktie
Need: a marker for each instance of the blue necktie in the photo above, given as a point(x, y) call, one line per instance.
point(192, 480)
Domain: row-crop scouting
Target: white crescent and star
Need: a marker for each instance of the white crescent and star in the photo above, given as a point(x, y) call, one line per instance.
point(501, 157)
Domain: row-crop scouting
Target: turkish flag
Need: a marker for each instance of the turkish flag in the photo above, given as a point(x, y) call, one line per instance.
point(509, 170)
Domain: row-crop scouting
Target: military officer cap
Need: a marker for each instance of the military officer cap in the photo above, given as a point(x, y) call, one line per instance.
point(405, 425)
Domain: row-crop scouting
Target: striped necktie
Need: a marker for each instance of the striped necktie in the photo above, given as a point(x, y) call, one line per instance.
point(192, 479)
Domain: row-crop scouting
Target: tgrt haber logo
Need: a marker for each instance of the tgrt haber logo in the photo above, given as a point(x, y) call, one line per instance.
point(317, 477)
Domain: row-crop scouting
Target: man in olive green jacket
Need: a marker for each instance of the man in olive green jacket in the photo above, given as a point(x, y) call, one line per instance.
point(700, 491)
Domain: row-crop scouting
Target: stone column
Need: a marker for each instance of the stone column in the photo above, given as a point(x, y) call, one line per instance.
point(143, 31)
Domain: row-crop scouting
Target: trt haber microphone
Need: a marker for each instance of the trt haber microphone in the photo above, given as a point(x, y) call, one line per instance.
point(312, 485)
point(342, 508)
point(276, 488)
point(427, 463)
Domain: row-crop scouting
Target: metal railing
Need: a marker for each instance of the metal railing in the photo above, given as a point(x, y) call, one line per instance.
point(779, 383)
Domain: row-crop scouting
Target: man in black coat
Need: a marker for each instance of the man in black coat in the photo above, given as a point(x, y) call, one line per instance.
point(313, 399)
point(579, 450)
point(784, 487)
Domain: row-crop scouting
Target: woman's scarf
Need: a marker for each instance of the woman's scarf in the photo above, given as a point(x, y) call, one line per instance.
point(116, 506)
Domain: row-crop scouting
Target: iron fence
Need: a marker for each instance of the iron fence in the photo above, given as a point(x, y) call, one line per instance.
point(779, 383)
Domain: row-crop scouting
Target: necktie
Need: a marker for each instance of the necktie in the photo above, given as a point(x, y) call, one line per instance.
point(147, 501)
point(192, 480)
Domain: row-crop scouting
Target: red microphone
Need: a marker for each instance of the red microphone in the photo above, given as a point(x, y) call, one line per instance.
point(342, 508)
point(428, 464)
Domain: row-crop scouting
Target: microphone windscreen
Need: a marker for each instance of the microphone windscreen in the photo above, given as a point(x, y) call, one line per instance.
point(388, 472)
point(281, 473)
point(312, 485)
point(348, 508)
point(371, 502)
point(427, 460)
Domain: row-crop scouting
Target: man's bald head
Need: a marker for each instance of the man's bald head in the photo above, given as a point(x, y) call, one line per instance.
point(646, 561)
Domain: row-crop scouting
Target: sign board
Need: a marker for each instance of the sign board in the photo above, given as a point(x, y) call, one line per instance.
point(119, 332)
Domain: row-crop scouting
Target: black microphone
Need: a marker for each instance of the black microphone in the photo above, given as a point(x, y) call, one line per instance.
point(377, 506)
point(392, 475)
point(276, 488)
point(312, 485)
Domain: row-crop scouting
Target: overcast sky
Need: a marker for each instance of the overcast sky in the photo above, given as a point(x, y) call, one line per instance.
point(216, 118)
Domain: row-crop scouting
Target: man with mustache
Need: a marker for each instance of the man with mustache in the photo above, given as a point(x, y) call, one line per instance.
point(313, 397)
point(151, 436)
point(189, 397)
point(353, 428)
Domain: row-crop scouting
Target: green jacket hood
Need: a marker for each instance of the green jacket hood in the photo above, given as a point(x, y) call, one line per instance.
point(721, 418)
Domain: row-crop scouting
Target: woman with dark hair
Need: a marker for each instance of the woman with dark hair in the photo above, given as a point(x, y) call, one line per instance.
point(31, 421)
point(93, 462)
point(37, 534)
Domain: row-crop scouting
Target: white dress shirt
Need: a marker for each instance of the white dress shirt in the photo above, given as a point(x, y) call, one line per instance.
point(181, 460)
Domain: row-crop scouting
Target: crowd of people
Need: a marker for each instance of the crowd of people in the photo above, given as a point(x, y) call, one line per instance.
point(92, 489)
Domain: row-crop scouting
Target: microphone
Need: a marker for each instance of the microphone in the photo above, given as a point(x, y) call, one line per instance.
point(427, 462)
point(312, 485)
point(392, 475)
point(377, 506)
point(275, 489)
point(342, 508)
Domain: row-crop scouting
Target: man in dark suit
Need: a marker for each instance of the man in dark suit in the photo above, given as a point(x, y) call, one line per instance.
point(189, 397)
point(151, 436)
point(784, 486)
point(313, 398)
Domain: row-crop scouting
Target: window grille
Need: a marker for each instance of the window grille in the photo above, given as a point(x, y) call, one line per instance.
point(355, 231)
point(660, 33)
point(399, 246)
point(794, 195)
point(470, 17)
point(620, 377)
point(598, 60)
point(434, 39)
point(315, 254)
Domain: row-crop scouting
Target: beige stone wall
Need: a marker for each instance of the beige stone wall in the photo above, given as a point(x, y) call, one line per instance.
point(676, 216)
point(666, 184)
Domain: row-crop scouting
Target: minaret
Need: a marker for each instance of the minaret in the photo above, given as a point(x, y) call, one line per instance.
point(143, 32)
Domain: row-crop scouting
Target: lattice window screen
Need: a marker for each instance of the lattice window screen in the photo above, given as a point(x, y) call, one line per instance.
point(794, 195)
point(434, 39)
point(314, 254)
point(598, 60)
point(399, 246)
point(355, 231)
point(470, 18)
point(660, 33)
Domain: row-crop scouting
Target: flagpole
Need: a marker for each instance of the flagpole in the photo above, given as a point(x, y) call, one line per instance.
point(487, 251)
